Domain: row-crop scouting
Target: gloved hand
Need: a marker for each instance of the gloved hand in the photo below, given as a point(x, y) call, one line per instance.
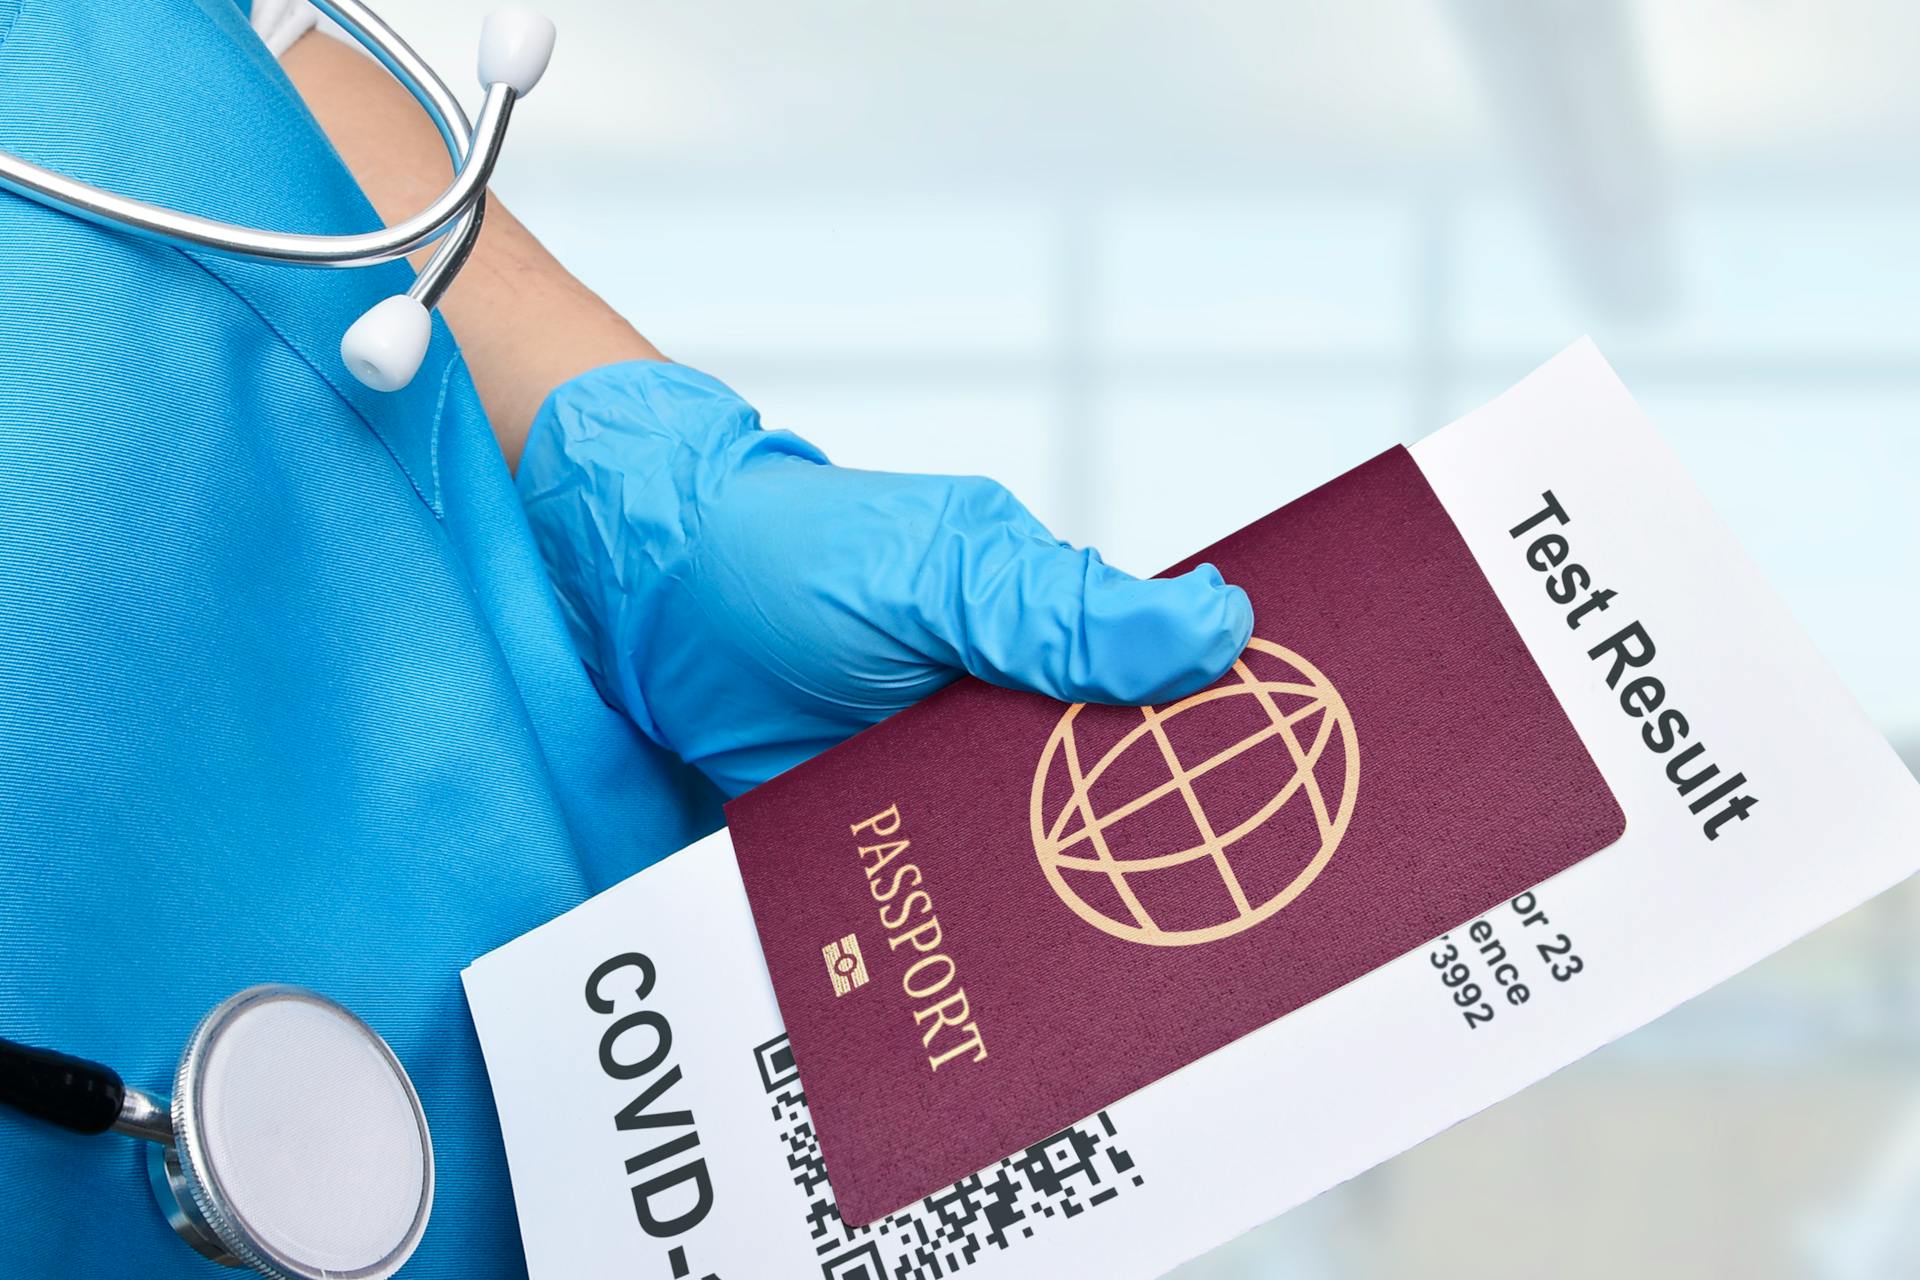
point(749, 605)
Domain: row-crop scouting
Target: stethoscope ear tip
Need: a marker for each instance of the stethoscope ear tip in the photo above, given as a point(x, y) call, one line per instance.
point(385, 346)
point(515, 45)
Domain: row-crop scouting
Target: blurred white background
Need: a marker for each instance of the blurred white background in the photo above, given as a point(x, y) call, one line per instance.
point(1162, 267)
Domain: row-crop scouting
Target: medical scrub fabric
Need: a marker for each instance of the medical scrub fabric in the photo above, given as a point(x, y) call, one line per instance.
point(284, 693)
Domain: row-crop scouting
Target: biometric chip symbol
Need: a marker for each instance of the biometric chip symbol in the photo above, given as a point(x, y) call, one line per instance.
point(846, 967)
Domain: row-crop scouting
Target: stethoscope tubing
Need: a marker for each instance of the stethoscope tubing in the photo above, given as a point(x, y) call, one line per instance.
point(475, 150)
point(124, 213)
point(417, 76)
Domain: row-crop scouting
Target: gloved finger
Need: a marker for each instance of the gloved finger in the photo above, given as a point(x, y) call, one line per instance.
point(1016, 607)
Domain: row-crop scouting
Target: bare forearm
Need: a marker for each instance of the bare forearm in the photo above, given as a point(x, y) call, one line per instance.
point(524, 323)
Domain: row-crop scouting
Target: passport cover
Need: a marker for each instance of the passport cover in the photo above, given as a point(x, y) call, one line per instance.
point(994, 914)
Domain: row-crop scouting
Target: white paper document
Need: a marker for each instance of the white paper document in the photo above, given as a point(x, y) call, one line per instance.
point(656, 1127)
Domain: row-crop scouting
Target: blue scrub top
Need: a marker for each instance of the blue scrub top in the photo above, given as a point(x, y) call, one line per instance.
point(284, 693)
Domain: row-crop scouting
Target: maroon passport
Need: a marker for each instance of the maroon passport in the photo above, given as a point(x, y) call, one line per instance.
point(994, 914)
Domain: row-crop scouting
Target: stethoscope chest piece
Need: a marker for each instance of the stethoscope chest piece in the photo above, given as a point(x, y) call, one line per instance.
point(299, 1145)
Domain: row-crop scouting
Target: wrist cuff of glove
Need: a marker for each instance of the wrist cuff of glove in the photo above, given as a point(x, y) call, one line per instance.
point(620, 467)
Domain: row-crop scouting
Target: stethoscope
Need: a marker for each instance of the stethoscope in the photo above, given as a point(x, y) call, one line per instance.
point(384, 347)
point(294, 1142)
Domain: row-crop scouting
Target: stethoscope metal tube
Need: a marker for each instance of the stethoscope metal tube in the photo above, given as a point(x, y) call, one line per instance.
point(385, 346)
point(414, 74)
point(123, 213)
point(240, 1171)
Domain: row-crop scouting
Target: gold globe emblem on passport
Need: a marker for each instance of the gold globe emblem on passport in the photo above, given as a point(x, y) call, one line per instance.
point(1188, 823)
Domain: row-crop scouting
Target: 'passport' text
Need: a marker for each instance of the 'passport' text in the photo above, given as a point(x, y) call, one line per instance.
point(932, 980)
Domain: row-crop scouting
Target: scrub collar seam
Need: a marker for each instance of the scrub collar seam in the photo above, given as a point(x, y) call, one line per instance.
point(429, 495)
point(457, 359)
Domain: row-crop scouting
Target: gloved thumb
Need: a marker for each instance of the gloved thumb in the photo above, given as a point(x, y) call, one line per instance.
point(1027, 611)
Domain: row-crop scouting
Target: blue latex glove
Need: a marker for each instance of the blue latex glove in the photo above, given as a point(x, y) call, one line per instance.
point(749, 605)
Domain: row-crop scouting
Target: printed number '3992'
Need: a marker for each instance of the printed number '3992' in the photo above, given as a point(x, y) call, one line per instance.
point(1457, 978)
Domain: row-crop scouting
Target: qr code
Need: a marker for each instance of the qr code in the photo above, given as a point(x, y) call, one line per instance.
point(1062, 1177)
